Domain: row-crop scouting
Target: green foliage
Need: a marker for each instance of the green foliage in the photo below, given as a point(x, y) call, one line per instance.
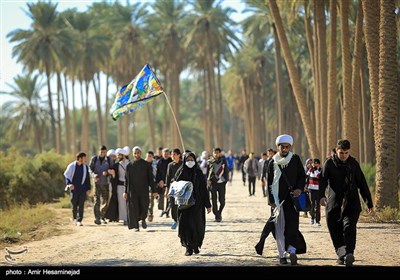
point(369, 171)
point(31, 180)
point(18, 221)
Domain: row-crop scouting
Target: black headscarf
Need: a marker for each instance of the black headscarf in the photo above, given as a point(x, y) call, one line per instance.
point(185, 173)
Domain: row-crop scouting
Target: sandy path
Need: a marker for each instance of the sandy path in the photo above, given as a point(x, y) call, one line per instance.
point(230, 243)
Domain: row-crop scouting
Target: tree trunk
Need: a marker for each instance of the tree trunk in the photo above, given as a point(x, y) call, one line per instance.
point(68, 134)
point(279, 84)
point(323, 75)
point(348, 112)
point(387, 188)
point(371, 15)
point(295, 81)
point(75, 144)
point(332, 86)
point(358, 44)
point(52, 119)
point(58, 127)
point(99, 115)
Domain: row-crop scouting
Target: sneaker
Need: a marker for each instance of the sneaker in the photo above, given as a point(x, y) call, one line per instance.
point(349, 259)
point(144, 225)
point(340, 261)
point(79, 224)
point(174, 225)
point(103, 221)
point(312, 221)
point(97, 222)
point(150, 218)
point(196, 250)
point(293, 259)
point(317, 224)
point(283, 261)
point(136, 229)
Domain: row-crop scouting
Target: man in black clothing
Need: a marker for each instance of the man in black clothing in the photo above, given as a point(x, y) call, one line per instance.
point(161, 175)
point(138, 178)
point(344, 176)
point(286, 178)
point(171, 170)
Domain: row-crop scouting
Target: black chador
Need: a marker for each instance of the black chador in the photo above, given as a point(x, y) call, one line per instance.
point(192, 221)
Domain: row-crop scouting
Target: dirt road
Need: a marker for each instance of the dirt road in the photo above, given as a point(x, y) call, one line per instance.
point(229, 243)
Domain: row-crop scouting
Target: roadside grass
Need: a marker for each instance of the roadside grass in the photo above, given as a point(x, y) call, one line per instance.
point(23, 223)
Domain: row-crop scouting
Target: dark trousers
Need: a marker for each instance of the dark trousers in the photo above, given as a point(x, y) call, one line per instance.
point(243, 176)
point(343, 231)
point(78, 204)
point(230, 174)
point(315, 207)
point(252, 182)
point(218, 193)
point(138, 205)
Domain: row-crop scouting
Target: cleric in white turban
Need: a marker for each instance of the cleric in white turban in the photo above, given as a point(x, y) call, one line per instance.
point(286, 178)
point(284, 138)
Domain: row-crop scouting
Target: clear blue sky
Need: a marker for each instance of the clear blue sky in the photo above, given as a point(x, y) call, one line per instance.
point(12, 16)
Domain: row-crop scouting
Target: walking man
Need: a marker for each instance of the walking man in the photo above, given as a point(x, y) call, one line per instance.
point(78, 182)
point(217, 179)
point(286, 178)
point(345, 178)
point(99, 167)
point(138, 178)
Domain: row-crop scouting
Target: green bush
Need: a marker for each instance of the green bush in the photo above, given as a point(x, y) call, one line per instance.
point(369, 171)
point(31, 180)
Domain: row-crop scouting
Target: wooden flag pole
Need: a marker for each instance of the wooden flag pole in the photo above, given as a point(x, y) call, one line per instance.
point(176, 121)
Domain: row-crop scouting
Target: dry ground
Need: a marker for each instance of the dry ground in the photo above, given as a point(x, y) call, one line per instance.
point(230, 243)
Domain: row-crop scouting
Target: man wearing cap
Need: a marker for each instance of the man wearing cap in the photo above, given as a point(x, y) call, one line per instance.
point(138, 178)
point(286, 178)
point(343, 205)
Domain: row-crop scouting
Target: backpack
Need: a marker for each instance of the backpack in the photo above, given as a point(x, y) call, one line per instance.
point(108, 160)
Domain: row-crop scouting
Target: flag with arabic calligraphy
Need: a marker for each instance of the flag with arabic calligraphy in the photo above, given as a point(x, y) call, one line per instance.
point(138, 92)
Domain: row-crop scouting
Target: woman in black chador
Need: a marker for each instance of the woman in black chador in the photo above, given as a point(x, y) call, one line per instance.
point(192, 221)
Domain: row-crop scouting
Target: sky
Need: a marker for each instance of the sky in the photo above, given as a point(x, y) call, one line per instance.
point(13, 16)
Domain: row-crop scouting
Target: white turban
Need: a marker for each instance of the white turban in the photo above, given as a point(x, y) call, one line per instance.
point(127, 149)
point(136, 148)
point(110, 152)
point(122, 152)
point(284, 138)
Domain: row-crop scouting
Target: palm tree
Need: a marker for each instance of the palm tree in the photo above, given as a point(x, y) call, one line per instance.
point(387, 186)
point(332, 86)
point(295, 81)
point(166, 25)
point(209, 39)
point(127, 53)
point(371, 30)
point(40, 47)
point(26, 113)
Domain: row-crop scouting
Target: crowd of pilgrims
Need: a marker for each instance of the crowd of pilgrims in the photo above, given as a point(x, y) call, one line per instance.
point(130, 188)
